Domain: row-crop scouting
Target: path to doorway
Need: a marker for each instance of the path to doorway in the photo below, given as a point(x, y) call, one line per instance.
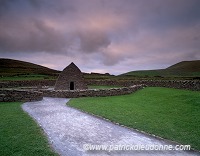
point(68, 130)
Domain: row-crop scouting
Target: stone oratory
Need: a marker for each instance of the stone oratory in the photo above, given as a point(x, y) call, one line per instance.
point(71, 78)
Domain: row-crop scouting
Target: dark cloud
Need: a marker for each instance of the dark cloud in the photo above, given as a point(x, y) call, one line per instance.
point(30, 35)
point(111, 32)
point(93, 41)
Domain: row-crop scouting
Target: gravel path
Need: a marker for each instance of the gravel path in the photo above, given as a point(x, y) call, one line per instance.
point(69, 129)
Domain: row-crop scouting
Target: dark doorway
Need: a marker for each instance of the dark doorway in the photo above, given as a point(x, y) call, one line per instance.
point(71, 85)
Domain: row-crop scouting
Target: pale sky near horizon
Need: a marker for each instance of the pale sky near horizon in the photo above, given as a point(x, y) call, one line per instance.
point(114, 36)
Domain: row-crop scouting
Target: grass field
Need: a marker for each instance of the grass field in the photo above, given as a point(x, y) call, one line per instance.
point(19, 134)
point(170, 113)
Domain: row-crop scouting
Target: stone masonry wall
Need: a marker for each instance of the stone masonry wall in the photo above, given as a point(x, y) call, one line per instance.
point(187, 84)
point(127, 88)
point(27, 83)
point(27, 95)
point(91, 92)
point(19, 96)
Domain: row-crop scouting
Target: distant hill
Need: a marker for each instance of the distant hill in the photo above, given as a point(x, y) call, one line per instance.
point(181, 69)
point(10, 67)
point(186, 66)
point(17, 68)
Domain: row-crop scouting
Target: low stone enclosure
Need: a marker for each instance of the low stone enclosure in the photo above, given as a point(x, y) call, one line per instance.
point(27, 83)
point(20, 96)
point(178, 84)
point(31, 95)
point(91, 92)
point(38, 91)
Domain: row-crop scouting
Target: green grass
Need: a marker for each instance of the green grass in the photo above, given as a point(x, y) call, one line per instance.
point(19, 134)
point(170, 113)
point(102, 87)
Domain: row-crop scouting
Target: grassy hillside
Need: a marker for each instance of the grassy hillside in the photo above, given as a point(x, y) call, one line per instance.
point(19, 70)
point(181, 69)
point(9, 67)
point(186, 66)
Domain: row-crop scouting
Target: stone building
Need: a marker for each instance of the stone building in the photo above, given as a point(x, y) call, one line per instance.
point(71, 78)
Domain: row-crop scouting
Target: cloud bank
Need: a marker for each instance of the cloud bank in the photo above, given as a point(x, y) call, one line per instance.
point(107, 36)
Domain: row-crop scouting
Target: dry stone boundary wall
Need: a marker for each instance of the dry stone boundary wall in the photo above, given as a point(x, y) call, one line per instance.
point(182, 84)
point(27, 83)
point(91, 92)
point(187, 84)
point(20, 95)
point(8, 95)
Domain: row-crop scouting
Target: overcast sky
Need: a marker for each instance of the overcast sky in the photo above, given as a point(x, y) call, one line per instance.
point(114, 36)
